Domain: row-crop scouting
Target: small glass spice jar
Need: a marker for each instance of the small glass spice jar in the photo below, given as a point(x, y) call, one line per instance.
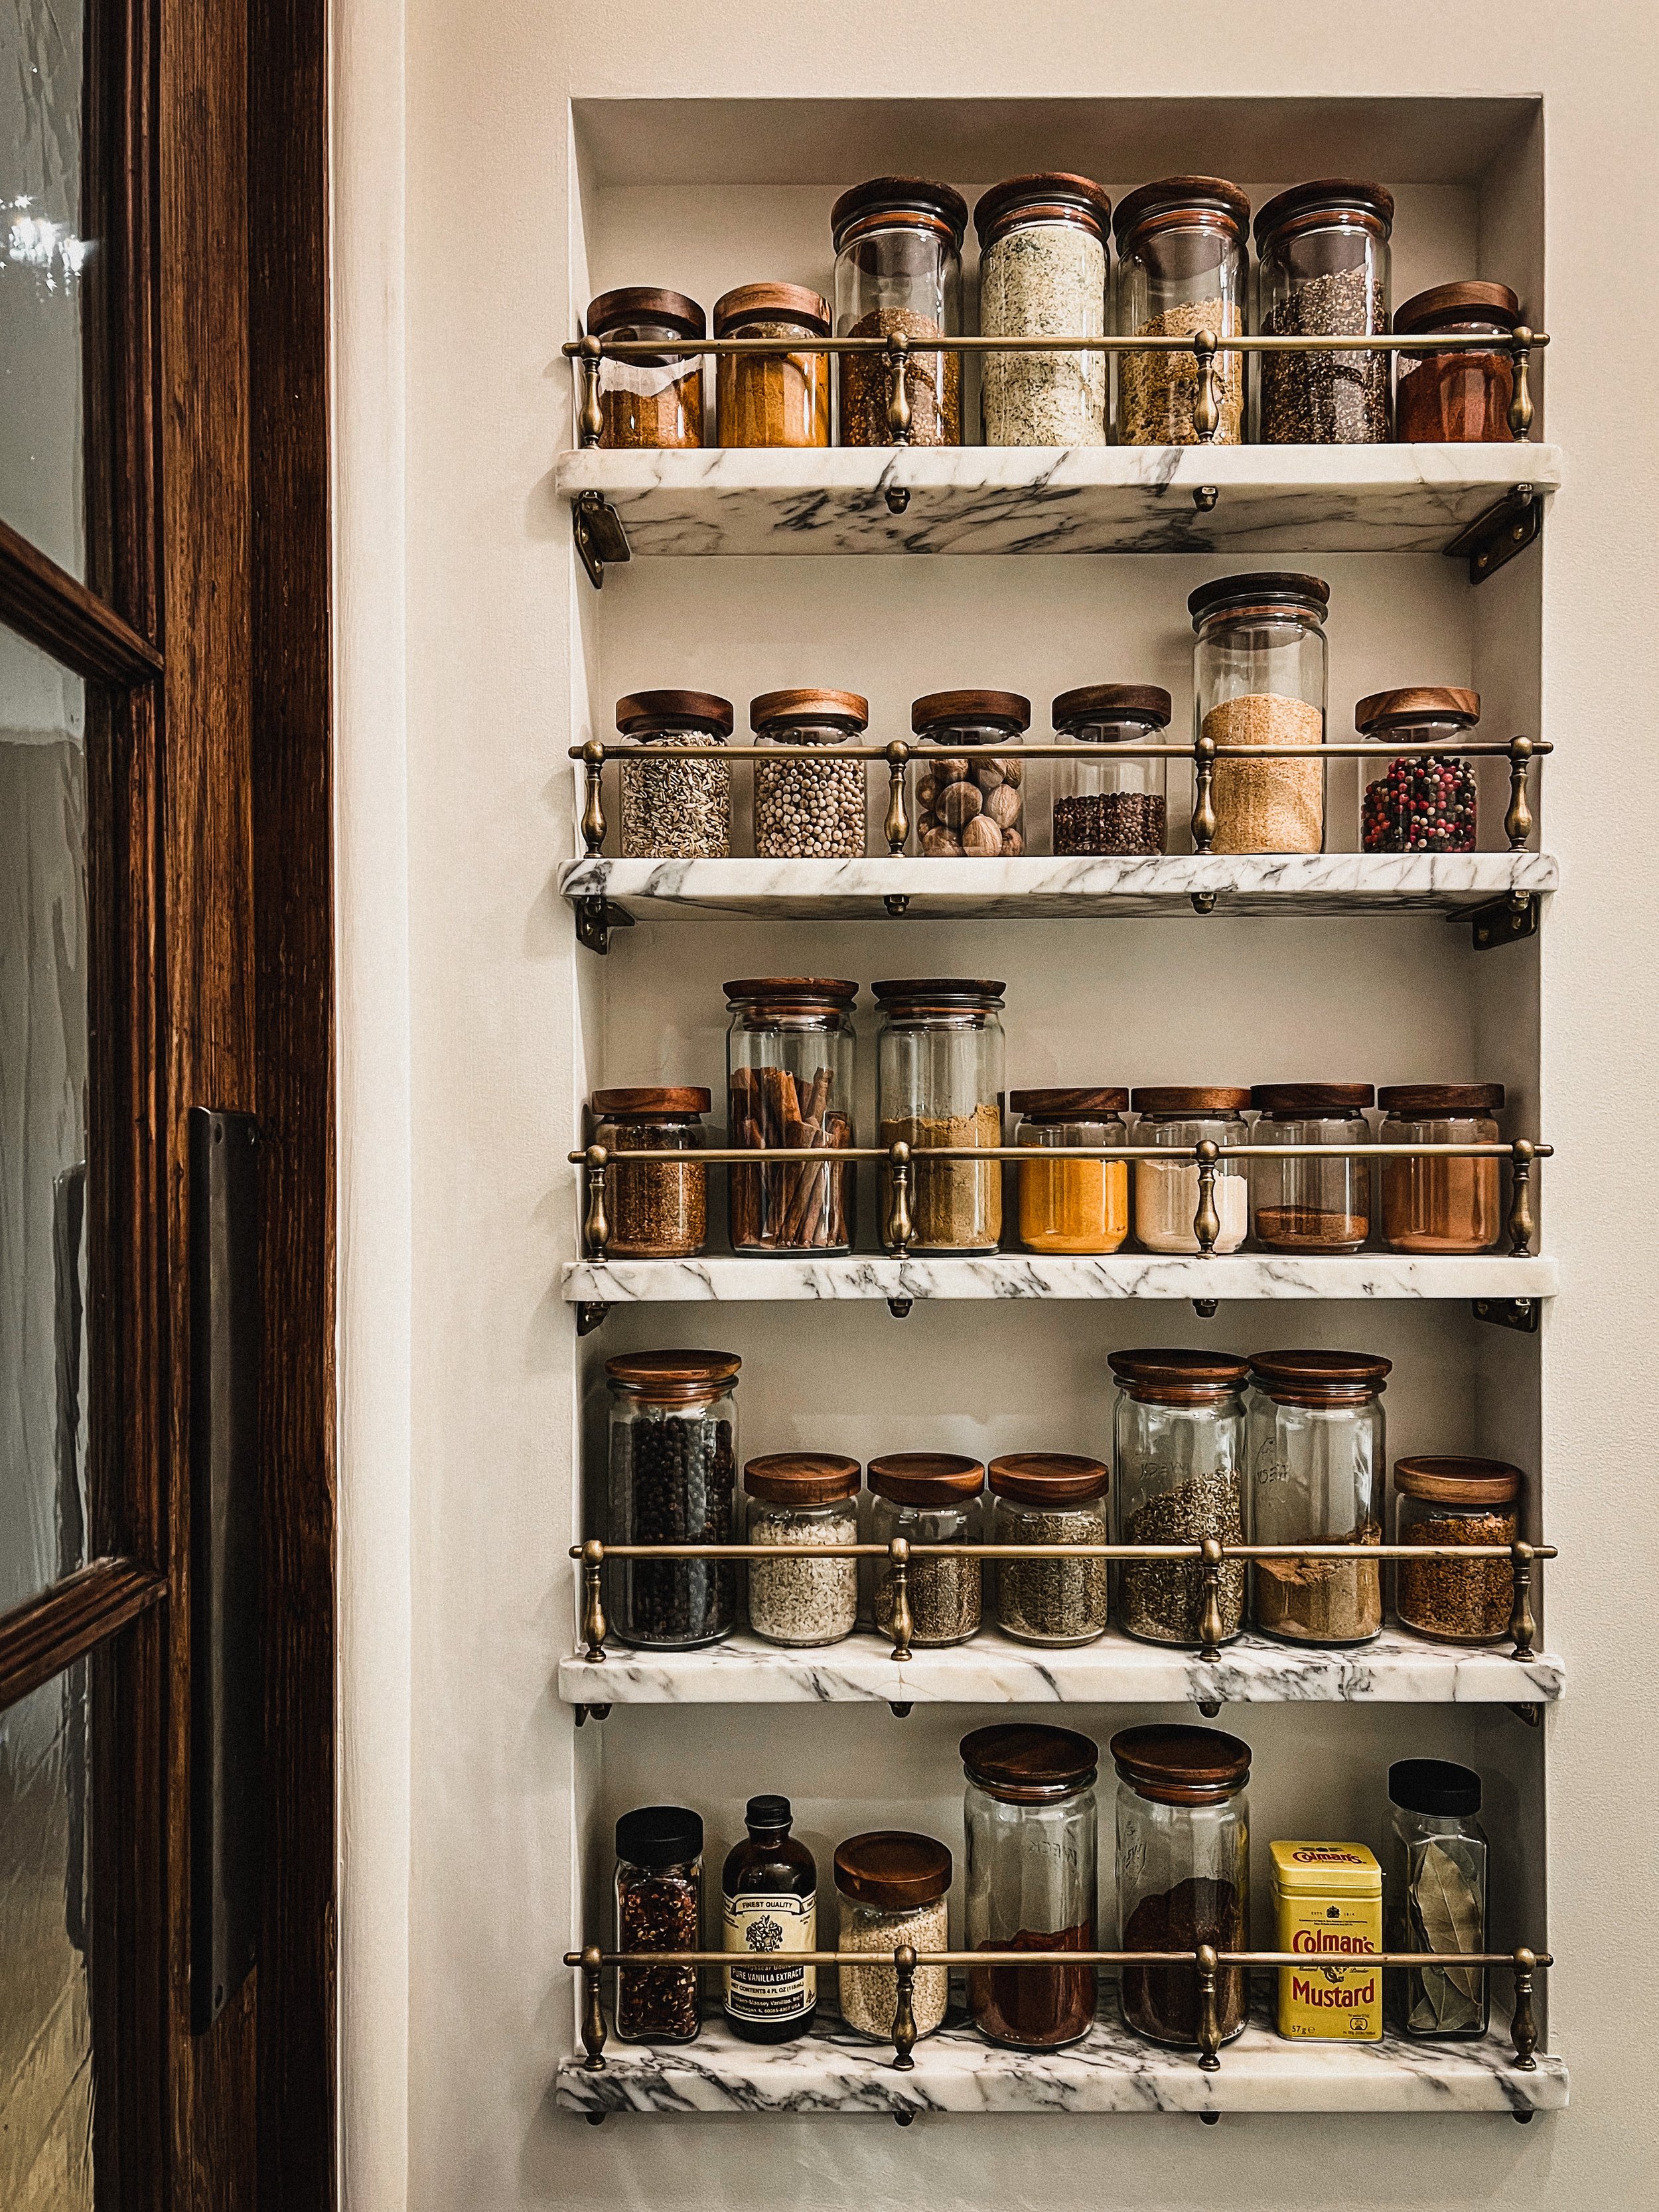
point(1446, 1204)
point(1043, 274)
point(809, 808)
point(658, 1210)
point(967, 805)
point(676, 809)
point(1318, 1462)
point(929, 1497)
point(1418, 805)
point(1071, 1205)
point(1322, 271)
point(773, 399)
point(891, 1889)
point(656, 400)
point(659, 1897)
point(1183, 1872)
point(1311, 1206)
point(674, 1468)
point(1050, 1498)
point(1181, 1115)
point(805, 1500)
point(1182, 267)
point(1178, 1464)
point(939, 1060)
point(1029, 1815)
point(1434, 1890)
point(1105, 803)
point(1460, 397)
point(1259, 679)
point(1449, 1500)
point(898, 271)
point(789, 1060)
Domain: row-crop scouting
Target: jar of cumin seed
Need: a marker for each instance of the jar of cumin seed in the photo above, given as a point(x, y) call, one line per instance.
point(659, 1209)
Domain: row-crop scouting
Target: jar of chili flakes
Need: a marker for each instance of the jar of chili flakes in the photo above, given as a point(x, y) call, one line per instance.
point(658, 1891)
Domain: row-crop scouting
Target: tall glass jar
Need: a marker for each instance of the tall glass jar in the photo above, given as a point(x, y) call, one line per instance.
point(805, 1500)
point(1029, 1813)
point(1418, 805)
point(1259, 679)
point(656, 400)
point(1440, 1205)
point(673, 1481)
point(1322, 255)
point(658, 1210)
point(898, 270)
point(1178, 1464)
point(1183, 1872)
point(969, 806)
point(676, 809)
point(658, 1891)
point(1105, 803)
point(773, 399)
point(1071, 1205)
point(929, 1497)
point(809, 808)
point(1043, 274)
point(1181, 1115)
point(1318, 1467)
point(1434, 1890)
point(1456, 1500)
point(789, 1060)
point(938, 1081)
point(1050, 1498)
point(1458, 397)
point(1182, 267)
point(1311, 1206)
point(891, 1889)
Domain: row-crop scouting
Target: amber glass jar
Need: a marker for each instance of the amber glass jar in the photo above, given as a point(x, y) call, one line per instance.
point(1441, 1204)
point(1456, 1501)
point(1182, 267)
point(898, 270)
point(1322, 271)
point(773, 399)
point(1071, 1205)
point(1461, 396)
point(658, 1210)
point(656, 400)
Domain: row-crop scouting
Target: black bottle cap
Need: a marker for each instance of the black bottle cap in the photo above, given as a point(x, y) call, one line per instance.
point(767, 1812)
point(658, 1835)
point(1434, 1785)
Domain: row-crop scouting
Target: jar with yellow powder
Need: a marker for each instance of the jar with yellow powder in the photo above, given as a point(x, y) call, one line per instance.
point(1071, 1205)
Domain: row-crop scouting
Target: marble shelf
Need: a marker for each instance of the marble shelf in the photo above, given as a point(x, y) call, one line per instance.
point(992, 1669)
point(835, 2071)
point(1101, 499)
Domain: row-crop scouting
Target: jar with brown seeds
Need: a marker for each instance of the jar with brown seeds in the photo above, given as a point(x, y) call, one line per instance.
point(898, 271)
point(676, 809)
point(1178, 1471)
point(969, 806)
point(1456, 1500)
point(1183, 268)
point(1050, 1498)
point(658, 1210)
point(928, 1498)
point(658, 1891)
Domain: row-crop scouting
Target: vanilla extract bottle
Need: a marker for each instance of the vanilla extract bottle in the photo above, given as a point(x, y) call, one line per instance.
point(769, 1893)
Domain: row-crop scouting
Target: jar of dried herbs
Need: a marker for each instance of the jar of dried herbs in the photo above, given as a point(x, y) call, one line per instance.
point(1461, 396)
point(790, 1059)
point(898, 271)
point(1071, 1205)
point(658, 1896)
point(773, 399)
point(676, 809)
point(803, 1500)
point(653, 399)
point(929, 1497)
point(1043, 274)
point(1323, 251)
point(1445, 1204)
point(658, 1210)
point(1182, 267)
point(1178, 1455)
point(939, 1079)
point(1259, 679)
point(1444, 1500)
point(968, 805)
point(1183, 1872)
point(1317, 1461)
point(891, 1888)
point(1310, 1205)
point(1050, 1498)
point(809, 810)
point(1434, 1889)
point(1182, 1116)
point(1108, 803)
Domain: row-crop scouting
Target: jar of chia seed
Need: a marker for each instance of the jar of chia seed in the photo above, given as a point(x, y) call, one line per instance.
point(1105, 803)
point(1322, 271)
point(674, 1468)
point(1417, 805)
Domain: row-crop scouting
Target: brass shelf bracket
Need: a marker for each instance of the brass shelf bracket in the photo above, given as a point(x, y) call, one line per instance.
point(1520, 1314)
point(600, 540)
point(591, 1314)
point(900, 1308)
point(1500, 533)
point(596, 917)
point(1508, 920)
point(585, 1713)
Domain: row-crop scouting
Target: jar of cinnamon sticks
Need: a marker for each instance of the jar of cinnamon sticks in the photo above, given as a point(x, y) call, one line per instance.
point(789, 1056)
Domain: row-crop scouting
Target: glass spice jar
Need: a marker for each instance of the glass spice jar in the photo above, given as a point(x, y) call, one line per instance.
point(1050, 1498)
point(658, 1210)
point(898, 271)
point(789, 1059)
point(656, 400)
point(967, 805)
point(676, 809)
point(1317, 1461)
point(1071, 1205)
point(1450, 1500)
point(1105, 803)
point(1183, 1872)
point(773, 399)
point(1182, 267)
point(1418, 805)
point(1029, 1815)
point(1434, 1887)
point(805, 1500)
point(1178, 1459)
point(891, 1889)
point(929, 1497)
point(1259, 679)
point(1322, 271)
point(1458, 397)
point(673, 1465)
point(809, 808)
point(1446, 1204)
point(658, 1891)
point(1181, 1115)
point(940, 1079)
point(1043, 257)
point(1311, 1206)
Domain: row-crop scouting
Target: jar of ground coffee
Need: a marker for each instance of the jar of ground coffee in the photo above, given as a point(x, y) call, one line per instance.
point(674, 1468)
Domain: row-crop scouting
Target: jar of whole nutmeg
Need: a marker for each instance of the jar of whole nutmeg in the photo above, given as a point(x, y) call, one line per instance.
point(970, 804)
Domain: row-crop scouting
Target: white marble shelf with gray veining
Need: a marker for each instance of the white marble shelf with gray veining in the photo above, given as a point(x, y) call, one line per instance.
point(1097, 499)
point(992, 1669)
point(832, 2069)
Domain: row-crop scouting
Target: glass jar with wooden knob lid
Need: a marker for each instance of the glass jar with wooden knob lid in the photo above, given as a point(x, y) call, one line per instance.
point(773, 399)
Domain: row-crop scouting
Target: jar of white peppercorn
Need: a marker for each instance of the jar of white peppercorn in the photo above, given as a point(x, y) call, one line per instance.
point(805, 1500)
point(929, 1497)
point(1049, 1497)
point(1181, 1116)
point(1322, 271)
point(809, 810)
point(1108, 803)
point(1182, 267)
point(1043, 274)
point(676, 809)
point(891, 1889)
point(898, 273)
point(968, 805)
point(1178, 1448)
point(1259, 679)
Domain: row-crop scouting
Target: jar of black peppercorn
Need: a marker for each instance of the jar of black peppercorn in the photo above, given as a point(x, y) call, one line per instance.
point(1105, 803)
point(673, 1478)
point(1323, 272)
point(659, 1893)
point(1412, 805)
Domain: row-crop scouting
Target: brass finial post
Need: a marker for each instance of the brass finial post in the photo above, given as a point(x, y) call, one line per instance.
point(1207, 1222)
point(591, 421)
point(1523, 1626)
point(1209, 2010)
point(1517, 818)
point(904, 2007)
point(594, 823)
point(596, 1229)
point(592, 2009)
point(593, 1621)
point(898, 1596)
point(1210, 1623)
point(898, 397)
point(896, 828)
point(1207, 403)
point(898, 1213)
point(1204, 821)
point(1521, 397)
point(1523, 2020)
point(1521, 1223)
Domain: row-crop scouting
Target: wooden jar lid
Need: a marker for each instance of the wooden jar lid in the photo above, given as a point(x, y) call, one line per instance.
point(1449, 1480)
point(927, 1478)
point(1418, 702)
point(1198, 1098)
point(1288, 1100)
point(1446, 1099)
point(1026, 1763)
point(801, 1478)
point(640, 1102)
point(893, 1870)
point(1178, 1765)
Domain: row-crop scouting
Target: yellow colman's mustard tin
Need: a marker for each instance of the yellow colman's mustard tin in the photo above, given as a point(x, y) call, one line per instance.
point(1328, 1902)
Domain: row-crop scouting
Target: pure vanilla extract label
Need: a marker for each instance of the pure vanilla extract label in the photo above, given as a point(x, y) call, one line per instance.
point(767, 1929)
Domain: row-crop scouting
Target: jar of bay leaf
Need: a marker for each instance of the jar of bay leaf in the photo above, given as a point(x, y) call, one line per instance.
point(1043, 274)
point(1259, 679)
point(929, 1497)
point(898, 271)
point(773, 399)
point(1434, 1887)
point(1318, 1463)
point(1322, 255)
point(658, 1210)
point(939, 1081)
point(1178, 1461)
point(656, 399)
point(968, 805)
point(809, 808)
point(1182, 267)
point(1050, 1498)
point(676, 809)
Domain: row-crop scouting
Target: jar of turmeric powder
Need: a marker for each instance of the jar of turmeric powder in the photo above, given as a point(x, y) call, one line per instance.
point(1071, 1205)
point(773, 399)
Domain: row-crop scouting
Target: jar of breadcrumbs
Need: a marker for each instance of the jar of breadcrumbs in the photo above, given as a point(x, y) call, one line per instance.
point(1259, 679)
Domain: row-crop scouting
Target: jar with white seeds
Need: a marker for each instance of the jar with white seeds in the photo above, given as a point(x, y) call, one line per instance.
point(809, 810)
point(1042, 259)
point(892, 1889)
point(969, 805)
point(805, 1501)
